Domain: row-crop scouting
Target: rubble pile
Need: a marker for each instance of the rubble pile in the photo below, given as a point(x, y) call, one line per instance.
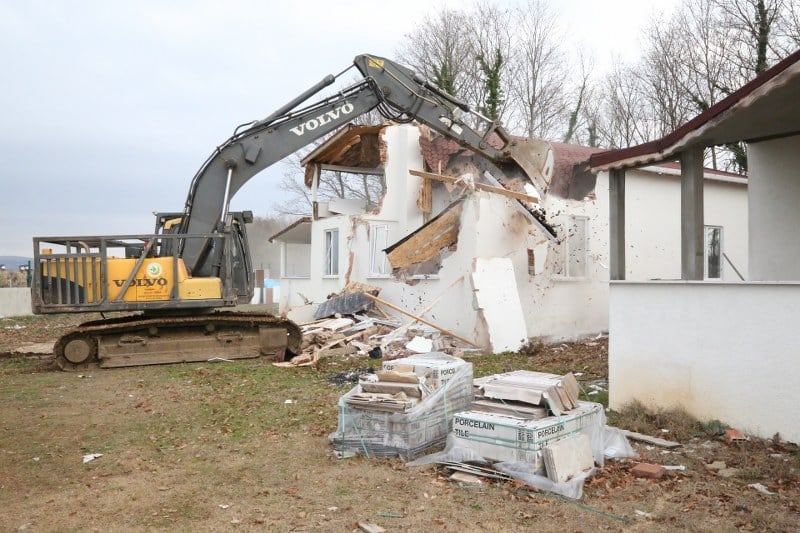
point(351, 324)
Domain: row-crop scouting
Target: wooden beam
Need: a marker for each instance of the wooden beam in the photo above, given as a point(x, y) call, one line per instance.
point(428, 241)
point(481, 186)
point(419, 318)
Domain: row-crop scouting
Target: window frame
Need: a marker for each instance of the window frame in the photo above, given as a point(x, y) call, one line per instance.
point(707, 256)
point(567, 249)
point(331, 244)
point(376, 250)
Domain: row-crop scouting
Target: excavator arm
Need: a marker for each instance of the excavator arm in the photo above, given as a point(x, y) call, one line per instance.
point(398, 94)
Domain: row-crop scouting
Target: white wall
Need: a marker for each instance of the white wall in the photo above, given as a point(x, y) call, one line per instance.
point(296, 259)
point(722, 351)
point(555, 307)
point(653, 223)
point(774, 168)
point(398, 207)
point(15, 301)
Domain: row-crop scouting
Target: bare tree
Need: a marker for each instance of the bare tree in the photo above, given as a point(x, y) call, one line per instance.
point(754, 23)
point(625, 117)
point(441, 51)
point(492, 49)
point(537, 88)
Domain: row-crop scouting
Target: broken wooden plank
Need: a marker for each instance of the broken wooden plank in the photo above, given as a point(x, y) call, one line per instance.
point(428, 240)
point(482, 186)
point(648, 439)
point(419, 318)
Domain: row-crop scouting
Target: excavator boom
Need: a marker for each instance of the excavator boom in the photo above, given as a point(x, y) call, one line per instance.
point(198, 259)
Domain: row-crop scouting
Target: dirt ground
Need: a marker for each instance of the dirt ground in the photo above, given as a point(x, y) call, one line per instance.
point(244, 446)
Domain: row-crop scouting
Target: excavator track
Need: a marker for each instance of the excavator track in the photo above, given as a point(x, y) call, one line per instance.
point(152, 340)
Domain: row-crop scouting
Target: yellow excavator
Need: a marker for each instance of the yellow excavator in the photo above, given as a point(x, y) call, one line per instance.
point(197, 261)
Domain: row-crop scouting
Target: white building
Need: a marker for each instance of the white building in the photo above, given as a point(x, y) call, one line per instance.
point(726, 351)
point(478, 263)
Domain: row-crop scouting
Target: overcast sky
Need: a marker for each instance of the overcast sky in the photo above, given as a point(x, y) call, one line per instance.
point(109, 108)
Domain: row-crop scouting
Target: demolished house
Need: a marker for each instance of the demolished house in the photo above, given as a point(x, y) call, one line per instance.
point(494, 260)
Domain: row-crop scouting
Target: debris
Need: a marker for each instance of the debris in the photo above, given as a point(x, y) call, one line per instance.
point(287, 402)
point(463, 477)
point(728, 472)
point(346, 304)
point(761, 488)
point(368, 527)
point(674, 467)
point(717, 465)
point(734, 435)
point(497, 298)
point(352, 376)
point(567, 457)
point(220, 360)
point(224, 506)
point(375, 353)
point(91, 457)
point(648, 470)
point(642, 513)
point(420, 345)
point(650, 440)
point(420, 319)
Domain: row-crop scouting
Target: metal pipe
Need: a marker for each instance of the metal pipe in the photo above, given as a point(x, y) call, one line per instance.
point(226, 198)
point(324, 82)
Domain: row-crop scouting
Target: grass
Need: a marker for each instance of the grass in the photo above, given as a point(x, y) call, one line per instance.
point(180, 440)
point(682, 426)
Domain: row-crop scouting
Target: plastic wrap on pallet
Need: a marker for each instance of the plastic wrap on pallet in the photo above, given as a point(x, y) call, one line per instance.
point(372, 433)
point(591, 421)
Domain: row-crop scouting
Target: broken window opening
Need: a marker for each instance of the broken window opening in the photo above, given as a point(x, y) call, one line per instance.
point(576, 247)
point(713, 253)
point(379, 240)
point(368, 188)
point(332, 252)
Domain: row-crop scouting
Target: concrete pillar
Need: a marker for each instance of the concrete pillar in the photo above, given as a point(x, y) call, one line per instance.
point(692, 214)
point(616, 224)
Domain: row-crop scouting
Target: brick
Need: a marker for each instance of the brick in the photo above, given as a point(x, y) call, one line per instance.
point(734, 435)
point(649, 471)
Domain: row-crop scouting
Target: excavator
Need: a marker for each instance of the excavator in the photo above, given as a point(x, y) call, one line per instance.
point(178, 280)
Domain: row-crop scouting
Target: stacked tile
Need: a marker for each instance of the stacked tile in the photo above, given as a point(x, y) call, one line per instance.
point(407, 410)
point(558, 393)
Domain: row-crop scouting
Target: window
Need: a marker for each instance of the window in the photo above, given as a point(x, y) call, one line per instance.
point(713, 252)
point(378, 265)
point(576, 248)
point(531, 262)
point(331, 252)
